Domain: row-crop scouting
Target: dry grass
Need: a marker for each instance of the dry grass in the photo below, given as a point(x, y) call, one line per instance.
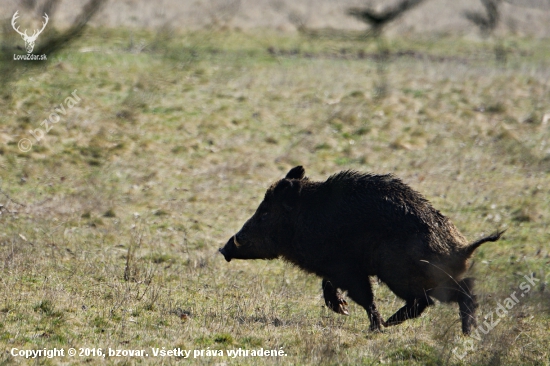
point(128, 197)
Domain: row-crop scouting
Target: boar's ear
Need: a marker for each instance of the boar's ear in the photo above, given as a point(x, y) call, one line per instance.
point(296, 173)
point(287, 192)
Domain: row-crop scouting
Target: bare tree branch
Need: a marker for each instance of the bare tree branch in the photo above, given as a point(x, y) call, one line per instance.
point(377, 20)
point(10, 70)
point(49, 7)
point(56, 43)
point(488, 21)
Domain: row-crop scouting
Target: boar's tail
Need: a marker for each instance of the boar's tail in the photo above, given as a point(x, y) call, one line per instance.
point(467, 251)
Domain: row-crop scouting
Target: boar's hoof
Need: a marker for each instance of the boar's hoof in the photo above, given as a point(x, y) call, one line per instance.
point(343, 307)
point(375, 328)
point(376, 321)
point(376, 325)
point(340, 307)
point(334, 299)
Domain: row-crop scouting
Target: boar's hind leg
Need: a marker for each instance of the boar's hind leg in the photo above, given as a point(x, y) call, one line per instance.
point(412, 309)
point(467, 304)
point(361, 293)
point(334, 299)
point(460, 292)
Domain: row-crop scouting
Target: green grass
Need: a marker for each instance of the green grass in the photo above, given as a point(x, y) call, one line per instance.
point(115, 216)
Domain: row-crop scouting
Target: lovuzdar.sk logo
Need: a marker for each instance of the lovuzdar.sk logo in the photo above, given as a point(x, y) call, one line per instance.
point(29, 40)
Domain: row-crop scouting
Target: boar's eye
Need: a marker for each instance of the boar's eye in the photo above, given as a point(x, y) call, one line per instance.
point(264, 216)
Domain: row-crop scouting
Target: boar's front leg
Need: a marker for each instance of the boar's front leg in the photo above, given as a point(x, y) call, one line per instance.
point(361, 293)
point(334, 299)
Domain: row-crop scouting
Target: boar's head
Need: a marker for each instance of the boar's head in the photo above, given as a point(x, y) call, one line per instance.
point(270, 229)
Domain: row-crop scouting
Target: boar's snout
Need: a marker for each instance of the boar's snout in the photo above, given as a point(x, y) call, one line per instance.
point(229, 248)
point(224, 252)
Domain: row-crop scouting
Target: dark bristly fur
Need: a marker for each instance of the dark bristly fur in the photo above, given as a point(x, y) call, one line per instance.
point(355, 225)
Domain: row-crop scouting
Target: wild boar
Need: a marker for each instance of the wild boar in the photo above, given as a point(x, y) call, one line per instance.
point(356, 225)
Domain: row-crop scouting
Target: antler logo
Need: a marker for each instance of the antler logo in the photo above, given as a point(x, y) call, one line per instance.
point(29, 40)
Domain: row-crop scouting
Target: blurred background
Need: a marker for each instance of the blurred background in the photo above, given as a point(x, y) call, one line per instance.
point(113, 205)
point(521, 17)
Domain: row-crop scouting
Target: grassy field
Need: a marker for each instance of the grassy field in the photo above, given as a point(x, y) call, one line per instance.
point(110, 224)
